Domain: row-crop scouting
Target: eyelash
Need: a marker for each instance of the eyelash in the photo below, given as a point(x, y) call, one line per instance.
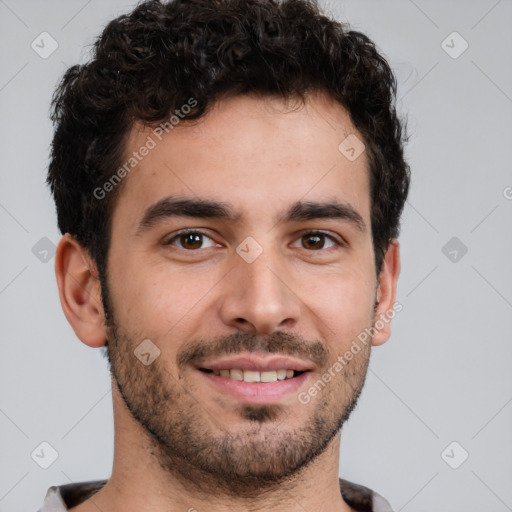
point(176, 236)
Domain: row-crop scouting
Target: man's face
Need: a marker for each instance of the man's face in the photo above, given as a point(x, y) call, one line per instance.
point(255, 284)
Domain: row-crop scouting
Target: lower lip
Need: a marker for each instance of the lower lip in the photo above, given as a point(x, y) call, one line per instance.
point(257, 392)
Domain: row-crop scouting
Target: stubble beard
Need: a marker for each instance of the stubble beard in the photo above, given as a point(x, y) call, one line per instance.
point(188, 441)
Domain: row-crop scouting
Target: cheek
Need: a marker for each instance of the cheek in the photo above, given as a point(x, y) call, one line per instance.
point(161, 299)
point(342, 302)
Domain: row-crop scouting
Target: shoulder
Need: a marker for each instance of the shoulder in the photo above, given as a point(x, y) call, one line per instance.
point(63, 497)
point(362, 498)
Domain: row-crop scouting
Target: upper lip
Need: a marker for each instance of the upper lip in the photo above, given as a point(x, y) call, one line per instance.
point(256, 363)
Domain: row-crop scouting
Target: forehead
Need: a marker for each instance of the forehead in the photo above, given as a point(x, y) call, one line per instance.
point(259, 153)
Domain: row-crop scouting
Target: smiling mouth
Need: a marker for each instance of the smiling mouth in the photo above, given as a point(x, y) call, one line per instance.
point(252, 376)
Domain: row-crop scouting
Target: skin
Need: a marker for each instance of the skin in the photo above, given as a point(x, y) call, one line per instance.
point(179, 443)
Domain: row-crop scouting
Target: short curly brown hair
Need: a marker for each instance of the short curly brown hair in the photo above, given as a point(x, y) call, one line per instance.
point(150, 62)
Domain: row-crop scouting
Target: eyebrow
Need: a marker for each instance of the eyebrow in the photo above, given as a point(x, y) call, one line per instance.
point(169, 207)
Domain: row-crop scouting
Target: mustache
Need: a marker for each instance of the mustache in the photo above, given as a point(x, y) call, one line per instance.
point(279, 342)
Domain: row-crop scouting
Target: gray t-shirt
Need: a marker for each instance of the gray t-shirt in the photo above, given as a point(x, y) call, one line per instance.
point(63, 497)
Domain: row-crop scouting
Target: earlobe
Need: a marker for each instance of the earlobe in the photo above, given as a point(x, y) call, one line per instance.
point(80, 291)
point(386, 294)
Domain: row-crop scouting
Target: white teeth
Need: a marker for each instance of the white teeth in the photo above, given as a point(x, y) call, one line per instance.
point(268, 376)
point(236, 374)
point(253, 376)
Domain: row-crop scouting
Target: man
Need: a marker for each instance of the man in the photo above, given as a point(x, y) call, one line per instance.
point(229, 179)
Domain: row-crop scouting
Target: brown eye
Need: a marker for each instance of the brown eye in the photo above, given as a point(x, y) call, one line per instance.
point(190, 240)
point(313, 241)
point(316, 240)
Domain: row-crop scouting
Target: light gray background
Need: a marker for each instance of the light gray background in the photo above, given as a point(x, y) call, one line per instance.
point(445, 374)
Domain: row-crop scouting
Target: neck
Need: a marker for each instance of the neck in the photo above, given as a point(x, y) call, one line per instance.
point(141, 482)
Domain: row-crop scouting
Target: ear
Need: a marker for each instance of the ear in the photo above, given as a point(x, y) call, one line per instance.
point(80, 291)
point(386, 294)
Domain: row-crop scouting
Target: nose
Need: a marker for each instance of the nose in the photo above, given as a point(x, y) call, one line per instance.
point(260, 297)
